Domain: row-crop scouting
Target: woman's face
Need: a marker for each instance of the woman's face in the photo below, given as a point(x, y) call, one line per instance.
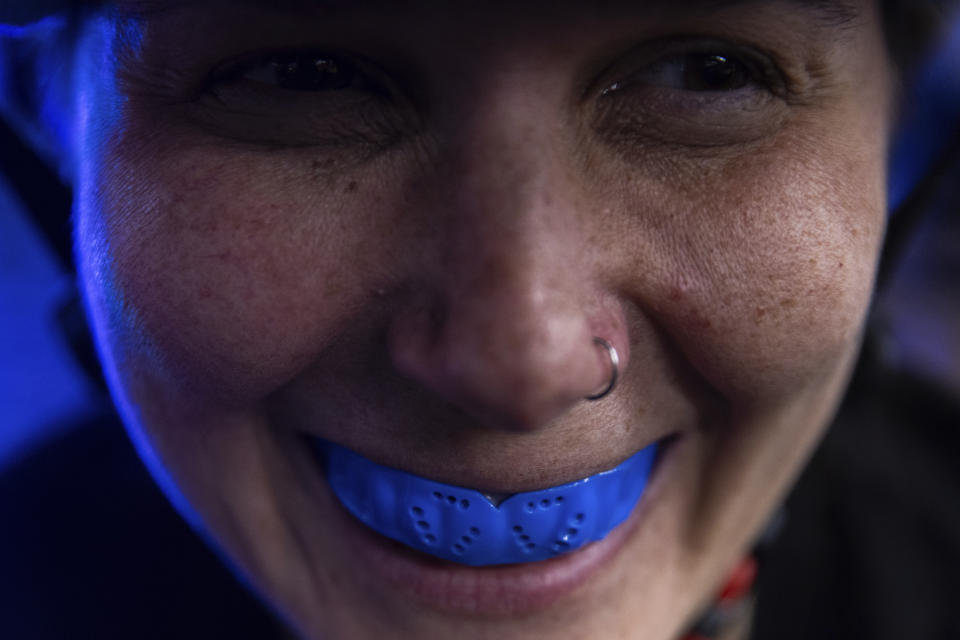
point(399, 227)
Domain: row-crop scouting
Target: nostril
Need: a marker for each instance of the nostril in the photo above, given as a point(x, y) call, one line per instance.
point(513, 356)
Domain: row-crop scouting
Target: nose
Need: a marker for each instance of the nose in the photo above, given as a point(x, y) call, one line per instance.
point(509, 300)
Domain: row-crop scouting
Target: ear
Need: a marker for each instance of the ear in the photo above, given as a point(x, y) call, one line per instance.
point(36, 79)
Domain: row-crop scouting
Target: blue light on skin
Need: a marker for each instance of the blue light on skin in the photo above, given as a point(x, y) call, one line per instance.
point(95, 102)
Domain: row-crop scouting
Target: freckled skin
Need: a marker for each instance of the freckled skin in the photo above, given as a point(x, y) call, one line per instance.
point(432, 304)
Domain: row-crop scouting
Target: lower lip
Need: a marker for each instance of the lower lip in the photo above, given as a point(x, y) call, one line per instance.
point(496, 590)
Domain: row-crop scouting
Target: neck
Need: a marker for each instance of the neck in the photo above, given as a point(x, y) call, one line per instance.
point(731, 614)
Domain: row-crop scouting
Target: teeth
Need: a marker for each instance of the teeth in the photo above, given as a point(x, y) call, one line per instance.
point(496, 499)
point(474, 528)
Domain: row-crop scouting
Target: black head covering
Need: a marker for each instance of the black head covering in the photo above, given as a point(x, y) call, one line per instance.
point(21, 12)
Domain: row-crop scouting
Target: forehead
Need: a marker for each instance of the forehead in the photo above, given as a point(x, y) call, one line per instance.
point(421, 22)
point(830, 11)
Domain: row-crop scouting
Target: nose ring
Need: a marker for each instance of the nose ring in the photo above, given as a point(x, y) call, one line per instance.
point(614, 368)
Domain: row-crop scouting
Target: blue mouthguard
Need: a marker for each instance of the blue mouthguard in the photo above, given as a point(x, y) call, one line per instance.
point(464, 526)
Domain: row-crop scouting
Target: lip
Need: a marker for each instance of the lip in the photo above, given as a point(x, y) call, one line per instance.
point(496, 590)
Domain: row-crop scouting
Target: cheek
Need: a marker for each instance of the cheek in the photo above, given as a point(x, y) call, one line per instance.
point(767, 280)
point(229, 272)
point(772, 274)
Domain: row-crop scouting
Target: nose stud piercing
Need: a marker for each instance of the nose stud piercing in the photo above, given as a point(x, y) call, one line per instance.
point(614, 368)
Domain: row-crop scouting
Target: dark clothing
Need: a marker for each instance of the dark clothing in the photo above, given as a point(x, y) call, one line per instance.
point(872, 544)
point(90, 548)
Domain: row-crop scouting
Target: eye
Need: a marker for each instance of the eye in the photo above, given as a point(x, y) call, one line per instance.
point(710, 72)
point(312, 72)
point(706, 72)
point(694, 93)
point(304, 71)
point(304, 97)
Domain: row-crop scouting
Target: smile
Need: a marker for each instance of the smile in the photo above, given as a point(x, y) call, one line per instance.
point(468, 527)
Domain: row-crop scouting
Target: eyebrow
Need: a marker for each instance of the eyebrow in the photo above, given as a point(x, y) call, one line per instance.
point(832, 11)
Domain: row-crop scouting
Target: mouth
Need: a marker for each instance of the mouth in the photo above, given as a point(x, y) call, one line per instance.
point(476, 529)
point(460, 549)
